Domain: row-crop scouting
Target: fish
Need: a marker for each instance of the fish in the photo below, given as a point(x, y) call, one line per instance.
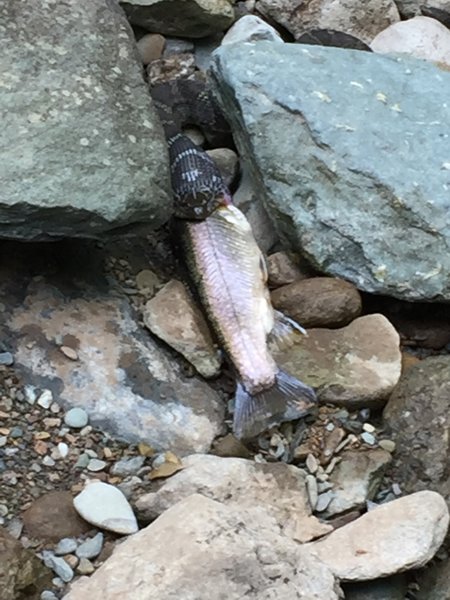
point(229, 275)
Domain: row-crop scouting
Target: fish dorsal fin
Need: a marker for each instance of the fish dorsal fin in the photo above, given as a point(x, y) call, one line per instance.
point(285, 332)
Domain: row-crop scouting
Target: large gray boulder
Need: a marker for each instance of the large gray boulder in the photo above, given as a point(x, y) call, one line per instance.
point(351, 158)
point(200, 549)
point(81, 149)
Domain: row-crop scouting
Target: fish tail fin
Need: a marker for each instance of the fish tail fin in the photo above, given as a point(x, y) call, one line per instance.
point(286, 400)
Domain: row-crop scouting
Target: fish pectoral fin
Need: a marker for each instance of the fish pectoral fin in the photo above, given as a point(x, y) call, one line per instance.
point(287, 399)
point(285, 332)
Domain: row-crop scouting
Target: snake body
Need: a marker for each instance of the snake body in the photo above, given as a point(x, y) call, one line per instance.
point(197, 183)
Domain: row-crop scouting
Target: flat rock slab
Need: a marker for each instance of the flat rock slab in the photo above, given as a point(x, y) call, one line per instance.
point(316, 125)
point(81, 149)
point(400, 535)
point(215, 552)
point(174, 317)
point(127, 384)
point(357, 365)
point(418, 417)
point(188, 18)
point(277, 489)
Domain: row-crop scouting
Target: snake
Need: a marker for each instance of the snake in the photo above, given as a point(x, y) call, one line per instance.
point(197, 184)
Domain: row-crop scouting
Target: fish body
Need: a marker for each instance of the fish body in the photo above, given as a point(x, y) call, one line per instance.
point(228, 270)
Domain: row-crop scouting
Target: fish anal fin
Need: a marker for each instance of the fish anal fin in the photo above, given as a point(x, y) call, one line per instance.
point(285, 332)
point(288, 399)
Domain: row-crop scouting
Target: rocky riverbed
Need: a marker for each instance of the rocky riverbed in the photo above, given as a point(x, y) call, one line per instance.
point(119, 473)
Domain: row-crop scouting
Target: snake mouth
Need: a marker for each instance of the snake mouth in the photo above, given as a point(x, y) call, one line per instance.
point(200, 206)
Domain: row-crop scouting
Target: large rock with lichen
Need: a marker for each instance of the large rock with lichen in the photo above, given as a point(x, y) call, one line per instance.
point(351, 159)
point(81, 150)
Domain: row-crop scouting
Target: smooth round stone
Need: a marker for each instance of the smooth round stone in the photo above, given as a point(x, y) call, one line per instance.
point(76, 417)
point(368, 438)
point(6, 359)
point(91, 547)
point(85, 567)
point(150, 47)
point(65, 546)
point(387, 445)
point(105, 506)
point(96, 465)
point(368, 427)
point(83, 461)
point(61, 568)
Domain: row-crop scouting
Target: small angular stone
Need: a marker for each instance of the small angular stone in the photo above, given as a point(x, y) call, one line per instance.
point(91, 547)
point(65, 546)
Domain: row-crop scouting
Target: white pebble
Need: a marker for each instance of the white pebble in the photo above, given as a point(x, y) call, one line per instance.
point(63, 449)
point(45, 399)
point(105, 506)
point(387, 445)
point(368, 427)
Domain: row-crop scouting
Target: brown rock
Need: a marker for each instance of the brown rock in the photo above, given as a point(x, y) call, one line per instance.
point(408, 361)
point(22, 574)
point(361, 19)
point(319, 302)
point(52, 517)
point(284, 268)
point(174, 317)
point(356, 366)
point(230, 446)
point(151, 47)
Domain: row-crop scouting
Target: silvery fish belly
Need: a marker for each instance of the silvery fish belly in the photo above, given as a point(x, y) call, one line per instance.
point(228, 269)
